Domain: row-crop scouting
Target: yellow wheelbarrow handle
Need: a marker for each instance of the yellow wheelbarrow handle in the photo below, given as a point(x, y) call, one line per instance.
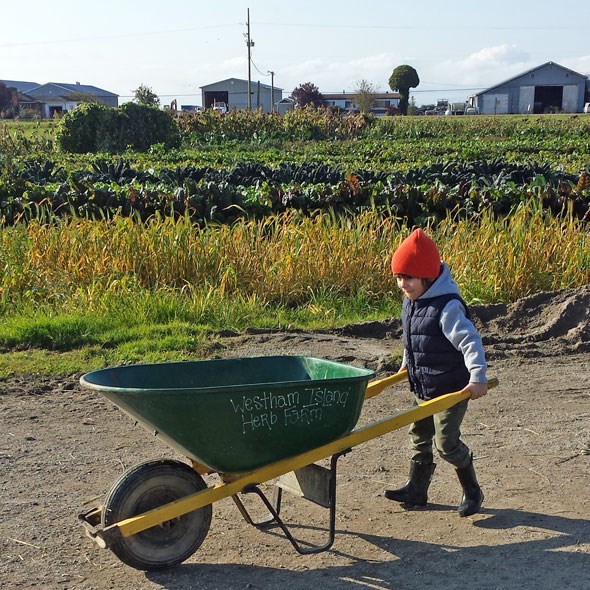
point(376, 387)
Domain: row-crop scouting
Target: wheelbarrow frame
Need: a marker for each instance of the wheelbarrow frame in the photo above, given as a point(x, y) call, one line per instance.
point(233, 484)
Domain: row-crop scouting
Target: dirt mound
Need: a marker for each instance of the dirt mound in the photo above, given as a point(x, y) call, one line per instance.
point(541, 324)
point(544, 324)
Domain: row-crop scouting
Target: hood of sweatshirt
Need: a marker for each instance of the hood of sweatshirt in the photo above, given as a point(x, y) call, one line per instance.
point(443, 285)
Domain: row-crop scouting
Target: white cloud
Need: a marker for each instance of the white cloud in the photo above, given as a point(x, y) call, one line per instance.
point(457, 78)
point(488, 66)
point(233, 67)
point(494, 57)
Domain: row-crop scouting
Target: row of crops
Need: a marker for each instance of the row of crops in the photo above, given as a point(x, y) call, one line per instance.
point(254, 190)
point(418, 169)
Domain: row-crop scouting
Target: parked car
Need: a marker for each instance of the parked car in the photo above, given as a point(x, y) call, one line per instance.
point(192, 108)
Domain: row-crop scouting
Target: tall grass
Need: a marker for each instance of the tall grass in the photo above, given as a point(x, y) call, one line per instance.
point(518, 255)
point(287, 260)
point(112, 291)
point(26, 138)
point(255, 126)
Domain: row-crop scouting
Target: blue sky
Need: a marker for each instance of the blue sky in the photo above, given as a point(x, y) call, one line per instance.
point(177, 46)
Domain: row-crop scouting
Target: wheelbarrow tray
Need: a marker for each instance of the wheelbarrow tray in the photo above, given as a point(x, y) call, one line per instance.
point(236, 415)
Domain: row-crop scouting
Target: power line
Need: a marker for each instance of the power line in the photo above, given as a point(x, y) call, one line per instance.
point(355, 26)
point(256, 68)
point(437, 27)
point(122, 36)
point(413, 90)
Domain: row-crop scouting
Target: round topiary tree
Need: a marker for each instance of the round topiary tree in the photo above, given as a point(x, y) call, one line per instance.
point(401, 80)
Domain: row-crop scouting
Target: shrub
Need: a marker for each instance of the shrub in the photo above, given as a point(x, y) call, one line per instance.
point(96, 128)
point(91, 127)
point(143, 126)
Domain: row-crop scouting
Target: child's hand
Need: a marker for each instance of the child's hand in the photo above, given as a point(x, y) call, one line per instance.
point(476, 390)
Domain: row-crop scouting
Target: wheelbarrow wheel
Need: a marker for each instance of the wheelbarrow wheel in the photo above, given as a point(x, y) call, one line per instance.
point(149, 485)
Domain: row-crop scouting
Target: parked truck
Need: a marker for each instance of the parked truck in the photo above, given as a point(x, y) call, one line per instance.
point(456, 108)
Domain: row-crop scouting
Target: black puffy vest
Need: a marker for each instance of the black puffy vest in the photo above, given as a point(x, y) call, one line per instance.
point(435, 366)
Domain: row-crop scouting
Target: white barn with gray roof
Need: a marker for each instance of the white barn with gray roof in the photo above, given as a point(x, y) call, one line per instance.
point(58, 98)
point(548, 88)
point(233, 92)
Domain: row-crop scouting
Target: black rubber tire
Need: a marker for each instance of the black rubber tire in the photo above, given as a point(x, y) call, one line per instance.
point(149, 485)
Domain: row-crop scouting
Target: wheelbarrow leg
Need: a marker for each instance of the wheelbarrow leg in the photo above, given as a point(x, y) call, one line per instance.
point(275, 517)
point(266, 521)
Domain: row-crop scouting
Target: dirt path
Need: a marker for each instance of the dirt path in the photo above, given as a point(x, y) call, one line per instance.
point(61, 448)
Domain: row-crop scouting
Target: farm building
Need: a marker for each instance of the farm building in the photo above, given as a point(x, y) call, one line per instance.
point(285, 104)
point(58, 98)
point(548, 88)
point(233, 92)
point(382, 101)
point(51, 98)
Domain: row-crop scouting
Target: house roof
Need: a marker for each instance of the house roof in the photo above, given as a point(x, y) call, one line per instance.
point(20, 85)
point(64, 89)
point(549, 63)
point(230, 80)
point(25, 98)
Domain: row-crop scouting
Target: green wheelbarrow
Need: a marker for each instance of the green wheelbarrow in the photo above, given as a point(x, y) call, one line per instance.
point(248, 420)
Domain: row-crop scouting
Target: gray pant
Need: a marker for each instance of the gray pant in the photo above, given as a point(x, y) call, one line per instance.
point(445, 429)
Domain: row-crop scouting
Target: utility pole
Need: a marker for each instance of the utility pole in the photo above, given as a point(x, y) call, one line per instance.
point(272, 91)
point(250, 44)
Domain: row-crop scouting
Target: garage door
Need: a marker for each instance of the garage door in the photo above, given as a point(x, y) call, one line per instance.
point(495, 104)
point(570, 99)
point(526, 99)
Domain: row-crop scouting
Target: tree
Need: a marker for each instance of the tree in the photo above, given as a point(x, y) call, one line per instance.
point(142, 126)
point(401, 80)
point(307, 93)
point(146, 96)
point(8, 101)
point(364, 96)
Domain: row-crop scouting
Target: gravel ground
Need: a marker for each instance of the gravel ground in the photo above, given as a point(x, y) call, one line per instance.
point(62, 448)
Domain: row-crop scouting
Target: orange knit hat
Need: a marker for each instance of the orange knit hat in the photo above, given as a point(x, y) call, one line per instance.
point(417, 257)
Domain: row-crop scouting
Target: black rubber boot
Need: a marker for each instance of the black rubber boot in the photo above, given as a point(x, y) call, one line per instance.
point(472, 494)
point(415, 491)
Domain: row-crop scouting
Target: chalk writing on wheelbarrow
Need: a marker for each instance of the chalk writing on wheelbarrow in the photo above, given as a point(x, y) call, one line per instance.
point(268, 409)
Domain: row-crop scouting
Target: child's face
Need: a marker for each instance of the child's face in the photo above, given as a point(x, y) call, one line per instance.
point(412, 287)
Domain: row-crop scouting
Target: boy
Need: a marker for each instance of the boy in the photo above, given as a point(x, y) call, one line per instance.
point(443, 353)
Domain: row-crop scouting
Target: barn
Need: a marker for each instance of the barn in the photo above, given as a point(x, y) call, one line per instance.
point(548, 88)
point(234, 93)
point(54, 98)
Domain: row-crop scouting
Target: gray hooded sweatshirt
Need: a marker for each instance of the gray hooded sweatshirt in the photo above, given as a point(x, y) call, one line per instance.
point(457, 327)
